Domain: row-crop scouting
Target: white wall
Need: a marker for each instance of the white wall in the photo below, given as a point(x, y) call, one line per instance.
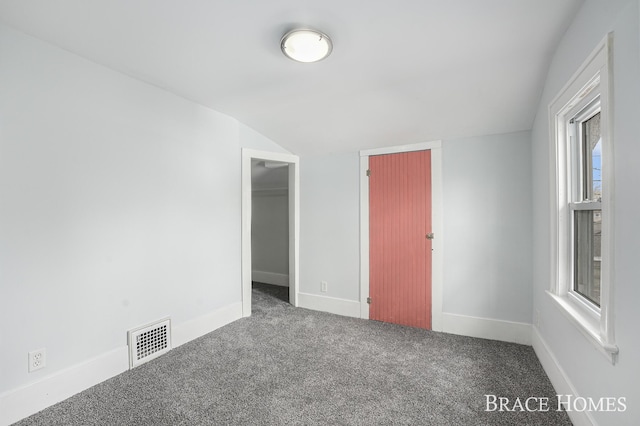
point(270, 236)
point(329, 225)
point(586, 369)
point(249, 138)
point(487, 227)
point(119, 205)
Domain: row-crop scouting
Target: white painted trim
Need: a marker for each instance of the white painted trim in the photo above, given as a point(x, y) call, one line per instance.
point(587, 324)
point(594, 76)
point(486, 328)
point(423, 146)
point(26, 400)
point(294, 231)
point(607, 305)
point(272, 278)
point(294, 222)
point(437, 244)
point(197, 327)
point(333, 305)
point(280, 157)
point(364, 238)
point(558, 378)
point(437, 224)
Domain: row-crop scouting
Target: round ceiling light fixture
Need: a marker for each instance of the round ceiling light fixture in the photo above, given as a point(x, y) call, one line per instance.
point(306, 45)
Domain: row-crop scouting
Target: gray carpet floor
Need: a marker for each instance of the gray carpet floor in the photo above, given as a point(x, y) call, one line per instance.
point(292, 366)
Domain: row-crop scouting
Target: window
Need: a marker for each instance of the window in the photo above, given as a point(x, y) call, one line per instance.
point(585, 204)
point(582, 200)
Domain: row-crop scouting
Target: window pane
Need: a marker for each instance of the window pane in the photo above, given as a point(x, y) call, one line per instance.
point(593, 159)
point(588, 257)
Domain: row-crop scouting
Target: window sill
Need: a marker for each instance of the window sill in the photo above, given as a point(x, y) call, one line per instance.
point(587, 324)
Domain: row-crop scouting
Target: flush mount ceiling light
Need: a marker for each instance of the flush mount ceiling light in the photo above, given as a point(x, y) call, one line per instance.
point(306, 45)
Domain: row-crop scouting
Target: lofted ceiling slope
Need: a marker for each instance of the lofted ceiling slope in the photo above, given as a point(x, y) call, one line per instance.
point(401, 72)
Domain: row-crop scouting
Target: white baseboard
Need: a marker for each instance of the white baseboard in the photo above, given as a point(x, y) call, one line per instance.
point(333, 305)
point(558, 378)
point(270, 278)
point(31, 398)
point(485, 328)
point(197, 327)
point(26, 400)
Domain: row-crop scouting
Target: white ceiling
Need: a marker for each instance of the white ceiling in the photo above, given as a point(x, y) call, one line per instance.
point(401, 71)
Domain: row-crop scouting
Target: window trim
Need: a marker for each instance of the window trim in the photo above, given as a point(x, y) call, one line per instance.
point(593, 78)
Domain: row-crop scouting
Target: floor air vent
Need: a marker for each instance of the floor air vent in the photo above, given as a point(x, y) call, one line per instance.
point(149, 342)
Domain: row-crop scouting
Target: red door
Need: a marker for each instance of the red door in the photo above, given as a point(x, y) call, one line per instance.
point(399, 250)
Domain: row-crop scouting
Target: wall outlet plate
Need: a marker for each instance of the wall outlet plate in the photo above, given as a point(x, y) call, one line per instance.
point(323, 286)
point(37, 359)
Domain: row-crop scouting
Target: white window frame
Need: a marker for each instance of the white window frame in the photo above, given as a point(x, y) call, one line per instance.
point(593, 79)
point(586, 108)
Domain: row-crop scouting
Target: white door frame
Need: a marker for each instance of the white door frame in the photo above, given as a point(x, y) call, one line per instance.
point(436, 222)
point(294, 222)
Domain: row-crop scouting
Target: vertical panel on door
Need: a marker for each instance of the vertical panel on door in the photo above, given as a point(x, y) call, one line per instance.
point(400, 252)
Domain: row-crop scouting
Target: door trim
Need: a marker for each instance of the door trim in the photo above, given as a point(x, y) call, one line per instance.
point(294, 222)
point(436, 221)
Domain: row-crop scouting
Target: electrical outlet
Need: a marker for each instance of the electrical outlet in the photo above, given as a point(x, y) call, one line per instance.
point(323, 286)
point(37, 359)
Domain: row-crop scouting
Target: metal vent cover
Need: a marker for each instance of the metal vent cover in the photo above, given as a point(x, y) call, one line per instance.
point(149, 341)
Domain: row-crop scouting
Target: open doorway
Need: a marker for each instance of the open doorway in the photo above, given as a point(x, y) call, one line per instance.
point(272, 181)
point(270, 228)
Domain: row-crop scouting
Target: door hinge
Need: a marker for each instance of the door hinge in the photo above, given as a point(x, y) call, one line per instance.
point(430, 236)
point(368, 300)
point(368, 172)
